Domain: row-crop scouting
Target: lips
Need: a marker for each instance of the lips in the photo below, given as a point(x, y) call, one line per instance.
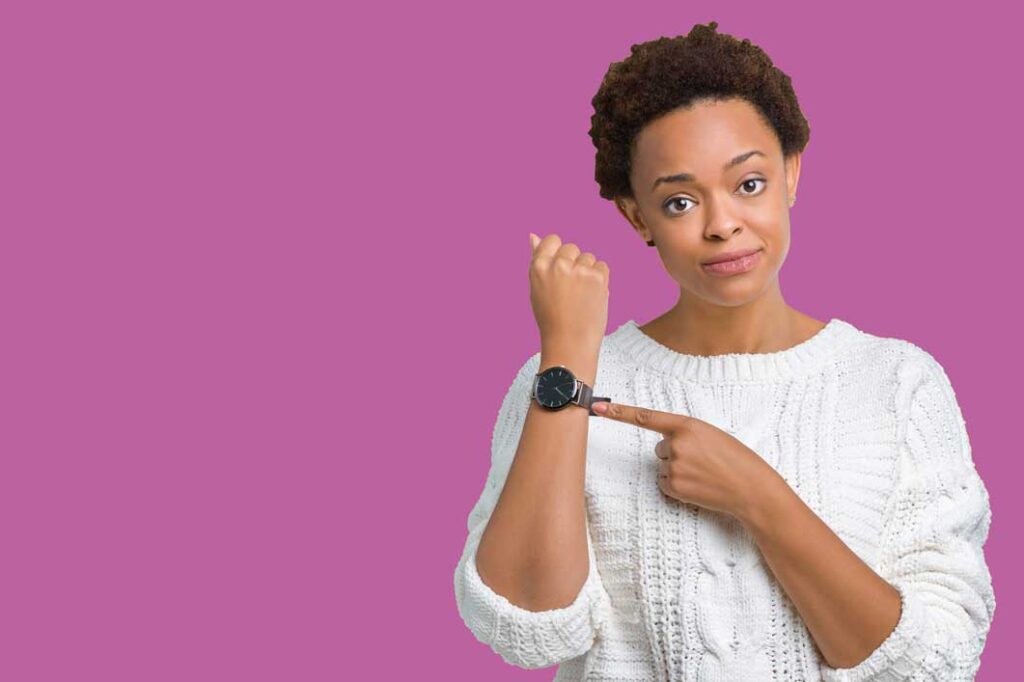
point(736, 266)
point(731, 255)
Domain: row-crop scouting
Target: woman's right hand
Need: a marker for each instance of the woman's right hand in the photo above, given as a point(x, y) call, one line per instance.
point(568, 292)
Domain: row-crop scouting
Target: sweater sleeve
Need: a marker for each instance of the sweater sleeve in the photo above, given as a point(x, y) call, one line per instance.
point(526, 639)
point(932, 548)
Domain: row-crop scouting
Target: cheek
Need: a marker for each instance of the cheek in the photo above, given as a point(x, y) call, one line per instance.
point(783, 252)
point(774, 234)
point(781, 237)
point(776, 247)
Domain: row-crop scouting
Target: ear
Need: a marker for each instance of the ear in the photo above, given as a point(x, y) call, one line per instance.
point(792, 163)
point(631, 212)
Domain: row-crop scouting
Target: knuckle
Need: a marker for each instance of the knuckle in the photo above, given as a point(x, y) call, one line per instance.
point(563, 264)
point(678, 481)
point(644, 416)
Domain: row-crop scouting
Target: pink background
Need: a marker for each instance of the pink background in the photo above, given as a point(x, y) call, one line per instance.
point(263, 286)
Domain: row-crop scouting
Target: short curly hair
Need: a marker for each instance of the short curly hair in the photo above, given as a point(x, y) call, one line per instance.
point(664, 74)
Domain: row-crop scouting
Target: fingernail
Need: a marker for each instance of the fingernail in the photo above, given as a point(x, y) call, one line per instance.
point(600, 407)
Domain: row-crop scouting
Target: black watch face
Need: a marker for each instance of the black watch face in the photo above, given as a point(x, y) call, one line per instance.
point(555, 387)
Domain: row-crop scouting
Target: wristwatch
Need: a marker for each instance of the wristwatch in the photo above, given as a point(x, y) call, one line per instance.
point(556, 387)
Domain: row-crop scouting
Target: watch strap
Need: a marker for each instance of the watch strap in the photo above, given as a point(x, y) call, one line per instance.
point(585, 398)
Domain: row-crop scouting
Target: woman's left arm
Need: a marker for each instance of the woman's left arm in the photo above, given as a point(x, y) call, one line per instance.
point(926, 613)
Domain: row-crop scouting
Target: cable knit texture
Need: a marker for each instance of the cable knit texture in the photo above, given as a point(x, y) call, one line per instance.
point(865, 429)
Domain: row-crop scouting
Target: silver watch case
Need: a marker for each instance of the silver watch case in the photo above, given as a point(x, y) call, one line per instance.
point(582, 394)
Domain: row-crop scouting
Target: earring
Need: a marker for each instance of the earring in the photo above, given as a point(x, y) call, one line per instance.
point(650, 242)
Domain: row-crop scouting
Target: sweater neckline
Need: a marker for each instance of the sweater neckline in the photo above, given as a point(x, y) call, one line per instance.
point(732, 367)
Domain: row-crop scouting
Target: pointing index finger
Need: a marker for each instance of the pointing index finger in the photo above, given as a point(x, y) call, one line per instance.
point(654, 420)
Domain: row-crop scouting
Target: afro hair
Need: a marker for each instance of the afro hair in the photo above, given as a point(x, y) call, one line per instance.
point(664, 74)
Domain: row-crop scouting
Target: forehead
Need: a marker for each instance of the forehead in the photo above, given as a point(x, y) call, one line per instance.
point(700, 139)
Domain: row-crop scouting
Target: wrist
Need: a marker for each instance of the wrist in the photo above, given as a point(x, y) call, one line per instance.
point(581, 361)
point(761, 510)
point(582, 348)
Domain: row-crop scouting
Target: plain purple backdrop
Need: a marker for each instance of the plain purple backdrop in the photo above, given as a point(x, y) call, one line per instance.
point(264, 285)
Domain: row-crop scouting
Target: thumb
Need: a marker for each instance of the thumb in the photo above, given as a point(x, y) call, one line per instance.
point(534, 240)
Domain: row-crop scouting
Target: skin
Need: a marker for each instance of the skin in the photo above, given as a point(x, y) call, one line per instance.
point(848, 609)
point(719, 211)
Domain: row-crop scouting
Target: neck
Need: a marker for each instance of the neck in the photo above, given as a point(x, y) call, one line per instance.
point(695, 327)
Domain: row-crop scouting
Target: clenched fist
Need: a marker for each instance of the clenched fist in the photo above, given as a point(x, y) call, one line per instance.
point(568, 292)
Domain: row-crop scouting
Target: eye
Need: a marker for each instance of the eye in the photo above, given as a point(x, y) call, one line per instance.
point(745, 183)
point(750, 180)
point(673, 200)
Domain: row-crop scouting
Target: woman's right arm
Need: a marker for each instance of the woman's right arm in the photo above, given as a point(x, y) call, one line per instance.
point(527, 583)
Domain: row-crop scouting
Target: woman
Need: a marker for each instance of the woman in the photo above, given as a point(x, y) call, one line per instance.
point(765, 496)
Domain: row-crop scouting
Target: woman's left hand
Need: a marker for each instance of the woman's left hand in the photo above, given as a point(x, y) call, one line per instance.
point(698, 462)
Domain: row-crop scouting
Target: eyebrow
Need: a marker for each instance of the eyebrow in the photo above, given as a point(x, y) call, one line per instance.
point(688, 177)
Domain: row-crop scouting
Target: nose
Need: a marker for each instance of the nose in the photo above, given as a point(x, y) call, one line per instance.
point(721, 231)
point(721, 221)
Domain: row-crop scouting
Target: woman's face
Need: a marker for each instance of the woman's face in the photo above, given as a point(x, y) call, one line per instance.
point(722, 206)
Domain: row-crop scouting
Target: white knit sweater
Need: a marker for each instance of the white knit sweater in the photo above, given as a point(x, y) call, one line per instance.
point(865, 429)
